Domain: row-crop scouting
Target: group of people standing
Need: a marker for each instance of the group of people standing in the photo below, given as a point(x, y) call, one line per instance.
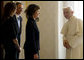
point(11, 27)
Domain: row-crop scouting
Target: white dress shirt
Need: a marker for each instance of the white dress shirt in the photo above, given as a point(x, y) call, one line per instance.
point(18, 20)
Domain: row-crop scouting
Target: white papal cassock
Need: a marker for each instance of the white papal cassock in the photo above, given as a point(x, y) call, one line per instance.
point(73, 32)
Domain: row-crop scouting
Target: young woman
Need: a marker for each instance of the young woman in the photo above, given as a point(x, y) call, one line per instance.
point(9, 31)
point(31, 46)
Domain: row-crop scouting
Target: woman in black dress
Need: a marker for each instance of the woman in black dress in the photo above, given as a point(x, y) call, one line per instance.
point(31, 46)
point(9, 31)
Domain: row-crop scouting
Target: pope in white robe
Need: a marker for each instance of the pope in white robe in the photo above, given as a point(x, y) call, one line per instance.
point(72, 35)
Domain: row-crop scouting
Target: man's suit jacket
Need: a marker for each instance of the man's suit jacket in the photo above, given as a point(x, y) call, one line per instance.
point(19, 29)
point(32, 37)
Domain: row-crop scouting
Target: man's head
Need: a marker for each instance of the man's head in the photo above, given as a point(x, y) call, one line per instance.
point(19, 8)
point(67, 12)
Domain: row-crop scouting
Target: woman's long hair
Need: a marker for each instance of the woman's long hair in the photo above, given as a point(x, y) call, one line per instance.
point(8, 10)
point(31, 10)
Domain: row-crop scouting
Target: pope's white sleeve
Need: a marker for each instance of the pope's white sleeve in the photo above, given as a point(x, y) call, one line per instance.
point(64, 31)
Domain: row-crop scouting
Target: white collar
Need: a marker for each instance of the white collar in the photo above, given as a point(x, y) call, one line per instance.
point(71, 18)
point(17, 15)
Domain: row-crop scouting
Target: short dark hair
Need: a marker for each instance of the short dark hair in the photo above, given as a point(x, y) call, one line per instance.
point(17, 3)
point(31, 10)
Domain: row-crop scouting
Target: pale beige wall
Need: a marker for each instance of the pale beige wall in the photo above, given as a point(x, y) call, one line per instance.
point(23, 29)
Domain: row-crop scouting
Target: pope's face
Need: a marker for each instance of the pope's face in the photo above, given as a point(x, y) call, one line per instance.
point(67, 14)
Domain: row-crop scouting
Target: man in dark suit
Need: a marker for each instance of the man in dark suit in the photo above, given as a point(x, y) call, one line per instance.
point(18, 19)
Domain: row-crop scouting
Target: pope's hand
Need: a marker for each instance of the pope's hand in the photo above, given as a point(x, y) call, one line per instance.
point(66, 44)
